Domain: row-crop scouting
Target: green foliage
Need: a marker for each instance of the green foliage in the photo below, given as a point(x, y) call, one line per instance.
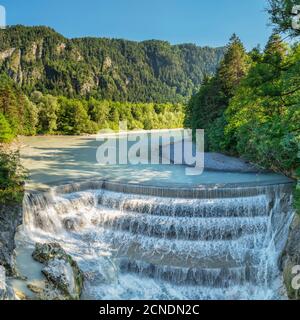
point(12, 176)
point(280, 15)
point(47, 107)
point(205, 109)
point(264, 116)
point(73, 117)
point(47, 114)
point(39, 59)
point(18, 110)
point(216, 137)
point(6, 134)
point(258, 116)
point(297, 190)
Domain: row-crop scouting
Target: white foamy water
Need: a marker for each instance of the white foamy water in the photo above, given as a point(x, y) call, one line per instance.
point(133, 246)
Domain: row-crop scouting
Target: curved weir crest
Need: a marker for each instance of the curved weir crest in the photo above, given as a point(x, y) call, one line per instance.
point(143, 242)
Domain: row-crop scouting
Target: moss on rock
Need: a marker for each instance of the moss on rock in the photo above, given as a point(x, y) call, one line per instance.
point(61, 271)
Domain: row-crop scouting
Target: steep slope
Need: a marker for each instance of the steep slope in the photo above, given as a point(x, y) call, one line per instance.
point(39, 58)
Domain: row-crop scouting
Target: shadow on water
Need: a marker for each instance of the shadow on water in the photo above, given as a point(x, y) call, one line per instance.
point(62, 159)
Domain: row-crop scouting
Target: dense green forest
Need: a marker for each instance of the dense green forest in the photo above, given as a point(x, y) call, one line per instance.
point(46, 114)
point(38, 58)
point(251, 106)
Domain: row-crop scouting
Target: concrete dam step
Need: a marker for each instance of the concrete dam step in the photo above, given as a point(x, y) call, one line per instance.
point(207, 243)
point(182, 253)
point(228, 207)
point(193, 276)
point(180, 228)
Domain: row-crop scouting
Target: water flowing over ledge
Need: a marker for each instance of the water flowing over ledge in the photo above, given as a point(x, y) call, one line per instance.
point(154, 242)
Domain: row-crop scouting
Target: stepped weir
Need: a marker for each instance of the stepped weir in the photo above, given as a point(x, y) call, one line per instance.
point(150, 242)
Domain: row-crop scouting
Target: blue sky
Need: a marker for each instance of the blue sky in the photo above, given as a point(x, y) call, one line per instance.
point(204, 22)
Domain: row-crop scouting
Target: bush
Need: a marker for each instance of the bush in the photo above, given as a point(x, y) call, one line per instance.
point(6, 134)
point(12, 176)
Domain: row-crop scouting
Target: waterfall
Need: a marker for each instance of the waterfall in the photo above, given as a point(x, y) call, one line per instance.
point(135, 242)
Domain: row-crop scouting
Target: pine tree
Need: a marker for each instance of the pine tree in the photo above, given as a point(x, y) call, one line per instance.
point(234, 66)
point(208, 105)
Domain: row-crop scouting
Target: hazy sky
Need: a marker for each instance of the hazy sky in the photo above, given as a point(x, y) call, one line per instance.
point(204, 22)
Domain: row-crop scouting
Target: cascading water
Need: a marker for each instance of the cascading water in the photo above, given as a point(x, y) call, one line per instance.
point(211, 245)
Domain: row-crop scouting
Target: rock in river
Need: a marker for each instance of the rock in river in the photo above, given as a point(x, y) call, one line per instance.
point(61, 271)
point(291, 259)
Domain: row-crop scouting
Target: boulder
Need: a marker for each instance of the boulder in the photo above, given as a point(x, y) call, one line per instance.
point(61, 274)
point(45, 252)
point(61, 271)
point(2, 283)
point(291, 258)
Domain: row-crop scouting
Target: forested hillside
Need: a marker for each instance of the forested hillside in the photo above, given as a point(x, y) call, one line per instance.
point(38, 58)
point(251, 106)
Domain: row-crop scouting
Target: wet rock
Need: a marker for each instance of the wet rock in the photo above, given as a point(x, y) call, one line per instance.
point(291, 258)
point(45, 252)
point(19, 295)
point(51, 293)
point(6, 293)
point(102, 271)
point(73, 224)
point(2, 283)
point(62, 275)
point(65, 279)
point(10, 219)
point(34, 288)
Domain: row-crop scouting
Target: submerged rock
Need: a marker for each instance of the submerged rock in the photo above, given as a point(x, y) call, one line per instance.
point(73, 224)
point(291, 258)
point(62, 272)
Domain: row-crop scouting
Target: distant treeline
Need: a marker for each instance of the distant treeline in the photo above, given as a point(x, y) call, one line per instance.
point(46, 114)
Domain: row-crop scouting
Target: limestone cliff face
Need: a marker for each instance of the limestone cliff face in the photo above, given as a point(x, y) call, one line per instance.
point(291, 258)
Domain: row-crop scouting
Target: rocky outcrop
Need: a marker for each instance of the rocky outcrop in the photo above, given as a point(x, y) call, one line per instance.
point(65, 279)
point(10, 219)
point(290, 259)
point(2, 283)
point(63, 276)
point(6, 293)
point(6, 54)
point(45, 252)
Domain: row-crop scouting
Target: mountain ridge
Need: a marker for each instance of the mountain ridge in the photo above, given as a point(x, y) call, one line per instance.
point(39, 58)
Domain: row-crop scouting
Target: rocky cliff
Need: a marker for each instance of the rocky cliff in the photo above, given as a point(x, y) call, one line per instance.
point(10, 219)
